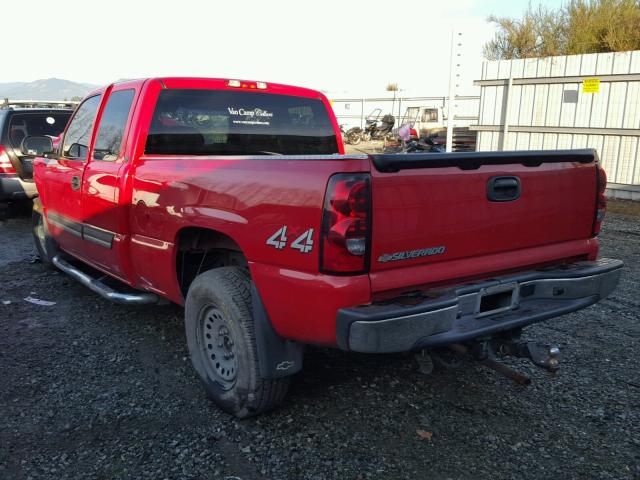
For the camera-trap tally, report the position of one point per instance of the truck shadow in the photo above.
(15, 210)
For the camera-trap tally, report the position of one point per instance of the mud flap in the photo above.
(278, 357)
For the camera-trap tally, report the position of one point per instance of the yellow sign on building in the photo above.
(591, 85)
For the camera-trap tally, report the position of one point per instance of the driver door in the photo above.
(63, 178)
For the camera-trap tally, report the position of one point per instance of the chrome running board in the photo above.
(142, 298)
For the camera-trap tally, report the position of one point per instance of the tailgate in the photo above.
(433, 208)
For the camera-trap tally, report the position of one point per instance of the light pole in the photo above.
(453, 78)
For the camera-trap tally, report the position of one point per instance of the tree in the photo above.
(603, 26)
(581, 26)
(393, 87)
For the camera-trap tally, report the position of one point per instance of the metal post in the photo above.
(506, 112)
(362, 113)
(450, 110)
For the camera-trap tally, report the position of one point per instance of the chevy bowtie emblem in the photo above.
(286, 365)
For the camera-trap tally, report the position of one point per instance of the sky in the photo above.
(338, 46)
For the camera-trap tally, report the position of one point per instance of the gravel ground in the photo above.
(97, 391)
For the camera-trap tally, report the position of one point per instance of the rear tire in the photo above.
(222, 343)
(44, 243)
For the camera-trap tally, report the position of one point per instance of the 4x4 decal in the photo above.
(304, 242)
(278, 239)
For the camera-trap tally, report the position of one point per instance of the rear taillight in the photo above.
(601, 200)
(345, 237)
(5, 163)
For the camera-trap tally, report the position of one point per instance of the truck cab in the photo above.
(425, 120)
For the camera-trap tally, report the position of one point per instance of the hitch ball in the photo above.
(544, 356)
(554, 358)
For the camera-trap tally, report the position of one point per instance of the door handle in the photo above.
(500, 183)
(75, 182)
(503, 189)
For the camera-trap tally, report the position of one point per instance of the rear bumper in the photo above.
(452, 315)
(12, 188)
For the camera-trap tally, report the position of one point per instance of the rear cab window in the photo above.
(220, 122)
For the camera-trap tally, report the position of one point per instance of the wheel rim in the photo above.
(218, 347)
(40, 233)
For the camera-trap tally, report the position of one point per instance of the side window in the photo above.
(429, 115)
(76, 140)
(112, 124)
(410, 115)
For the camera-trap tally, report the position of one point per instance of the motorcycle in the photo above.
(376, 128)
(424, 145)
(408, 143)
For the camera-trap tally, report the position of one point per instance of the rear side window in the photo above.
(76, 140)
(220, 122)
(112, 124)
(28, 124)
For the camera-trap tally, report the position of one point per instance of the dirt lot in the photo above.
(365, 147)
(93, 390)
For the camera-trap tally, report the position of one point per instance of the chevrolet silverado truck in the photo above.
(235, 199)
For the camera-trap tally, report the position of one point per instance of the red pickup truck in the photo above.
(235, 199)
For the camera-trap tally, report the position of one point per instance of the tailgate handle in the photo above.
(503, 189)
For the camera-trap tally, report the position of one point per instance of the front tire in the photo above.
(222, 343)
(44, 243)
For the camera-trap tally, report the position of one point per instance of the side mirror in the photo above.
(36, 146)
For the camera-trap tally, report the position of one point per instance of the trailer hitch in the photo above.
(541, 355)
(484, 352)
(481, 353)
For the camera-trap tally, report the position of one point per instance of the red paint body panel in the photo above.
(454, 271)
(146, 200)
(247, 200)
(57, 195)
(417, 209)
(305, 303)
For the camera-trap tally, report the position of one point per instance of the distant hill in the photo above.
(46, 89)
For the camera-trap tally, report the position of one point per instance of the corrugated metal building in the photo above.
(574, 101)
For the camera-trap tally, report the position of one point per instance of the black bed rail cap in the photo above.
(395, 162)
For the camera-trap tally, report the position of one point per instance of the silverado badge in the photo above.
(406, 255)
